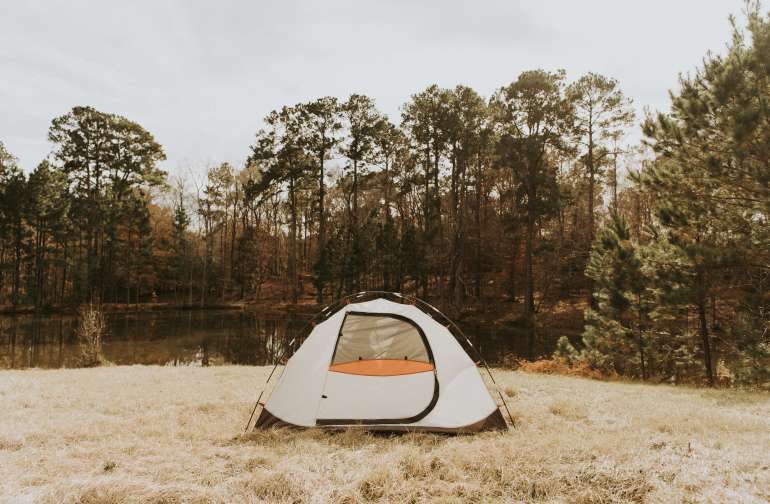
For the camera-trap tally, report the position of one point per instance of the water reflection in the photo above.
(196, 337)
(161, 338)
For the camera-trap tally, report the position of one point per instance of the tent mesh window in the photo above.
(380, 345)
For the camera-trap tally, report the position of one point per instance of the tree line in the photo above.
(78, 226)
(517, 198)
(465, 193)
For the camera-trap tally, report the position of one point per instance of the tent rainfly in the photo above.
(385, 366)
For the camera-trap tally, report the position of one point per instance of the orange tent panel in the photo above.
(382, 367)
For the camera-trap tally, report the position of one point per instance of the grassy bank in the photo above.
(154, 434)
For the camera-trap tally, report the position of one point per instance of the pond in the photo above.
(186, 337)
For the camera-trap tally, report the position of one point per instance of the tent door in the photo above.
(382, 371)
(375, 399)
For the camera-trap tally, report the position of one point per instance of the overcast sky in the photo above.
(201, 75)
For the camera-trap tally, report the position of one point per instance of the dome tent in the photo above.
(382, 361)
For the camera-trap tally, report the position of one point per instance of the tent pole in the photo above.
(491, 377)
(259, 398)
(478, 356)
(264, 387)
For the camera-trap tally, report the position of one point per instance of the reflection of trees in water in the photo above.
(259, 340)
(7, 343)
(495, 342)
(36, 341)
(189, 336)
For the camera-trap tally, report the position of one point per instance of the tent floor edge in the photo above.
(267, 420)
(495, 421)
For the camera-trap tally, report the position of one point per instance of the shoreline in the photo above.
(267, 307)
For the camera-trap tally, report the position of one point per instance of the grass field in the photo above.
(166, 435)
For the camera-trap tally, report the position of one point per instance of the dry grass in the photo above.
(166, 435)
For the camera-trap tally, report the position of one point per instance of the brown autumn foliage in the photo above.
(556, 366)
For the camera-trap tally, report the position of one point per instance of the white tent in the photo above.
(382, 365)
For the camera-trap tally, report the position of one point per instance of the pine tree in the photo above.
(13, 233)
(532, 117)
(425, 119)
(106, 158)
(601, 112)
(179, 242)
(711, 179)
(614, 339)
(46, 213)
(281, 153)
(321, 126)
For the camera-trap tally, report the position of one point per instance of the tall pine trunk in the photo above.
(529, 284)
(321, 229)
(477, 220)
(703, 329)
(591, 183)
(292, 266)
(641, 338)
(233, 234)
(529, 281)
